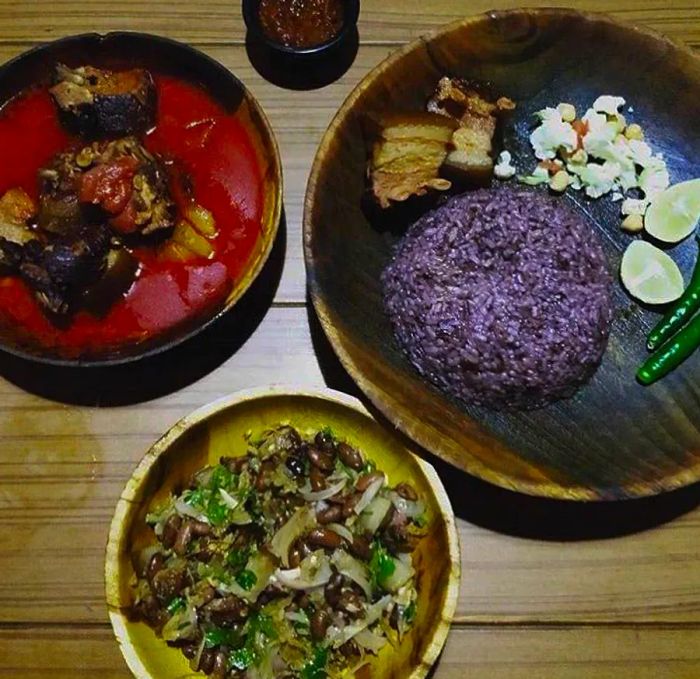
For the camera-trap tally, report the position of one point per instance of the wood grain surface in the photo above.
(548, 590)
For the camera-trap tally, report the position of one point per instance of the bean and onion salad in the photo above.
(291, 561)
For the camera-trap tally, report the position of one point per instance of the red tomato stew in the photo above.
(169, 205)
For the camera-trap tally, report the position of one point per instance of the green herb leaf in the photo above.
(222, 637)
(221, 478)
(369, 467)
(327, 431)
(316, 667)
(194, 498)
(238, 558)
(216, 511)
(381, 565)
(175, 605)
(247, 580)
(409, 614)
(242, 658)
(421, 520)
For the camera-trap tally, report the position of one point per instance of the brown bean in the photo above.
(351, 604)
(325, 442)
(298, 551)
(319, 623)
(149, 609)
(349, 504)
(324, 537)
(350, 649)
(350, 456)
(157, 563)
(262, 481)
(220, 666)
(227, 610)
(170, 529)
(331, 514)
(200, 529)
(333, 589)
(302, 599)
(184, 537)
(361, 548)
(405, 490)
(234, 464)
(318, 480)
(318, 458)
(189, 650)
(206, 660)
(364, 482)
(168, 583)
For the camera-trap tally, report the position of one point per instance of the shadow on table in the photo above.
(516, 514)
(164, 373)
(291, 73)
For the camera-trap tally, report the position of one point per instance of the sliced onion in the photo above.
(341, 530)
(352, 568)
(373, 516)
(370, 641)
(188, 510)
(402, 574)
(313, 496)
(302, 521)
(314, 571)
(230, 501)
(183, 625)
(369, 494)
(373, 613)
(408, 507)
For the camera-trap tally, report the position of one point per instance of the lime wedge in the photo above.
(649, 274)
(674, 213)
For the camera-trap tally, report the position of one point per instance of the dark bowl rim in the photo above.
(327, 317)
(198, 326)
(250, 17)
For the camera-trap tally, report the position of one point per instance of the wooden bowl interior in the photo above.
(128, 50)
(615, 439)
(218, 430)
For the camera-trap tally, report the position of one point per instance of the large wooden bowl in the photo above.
(615, 439)
(218, 429)
(162, 55)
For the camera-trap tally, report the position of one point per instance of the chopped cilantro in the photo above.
(381, 565)
(247, 580)
(221, 478)
(194, 498)
(216, 511)
(222, 637)
(175, 605)
(242, 658)
(421, 520)
(327, 431)
(238, 558)
(316, 667)
(369, 467)
(409, 614)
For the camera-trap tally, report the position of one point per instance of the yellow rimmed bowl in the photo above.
(218, 429)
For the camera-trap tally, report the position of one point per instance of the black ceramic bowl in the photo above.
(129, 50)
(251, 17)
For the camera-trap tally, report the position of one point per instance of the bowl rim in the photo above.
(260, 258)
(382, 400)
(128, 496)
(351, 15)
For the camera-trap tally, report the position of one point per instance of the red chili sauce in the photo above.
(301, 23)
(198, 137)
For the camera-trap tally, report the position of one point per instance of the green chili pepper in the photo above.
(679, 314)
(671, 354)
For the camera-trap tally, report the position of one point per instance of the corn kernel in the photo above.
(202, 220)
(559, 181)
(567, 112)
(187, 236)
(633, 223)
(634, 131)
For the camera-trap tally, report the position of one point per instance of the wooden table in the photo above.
(549, 591)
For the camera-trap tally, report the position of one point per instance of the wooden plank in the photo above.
(220, 21)
(474, 652)
(62, 468)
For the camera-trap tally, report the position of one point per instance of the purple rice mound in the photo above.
(501, 298)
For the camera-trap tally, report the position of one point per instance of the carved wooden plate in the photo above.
(218, 429)
(615, 439)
